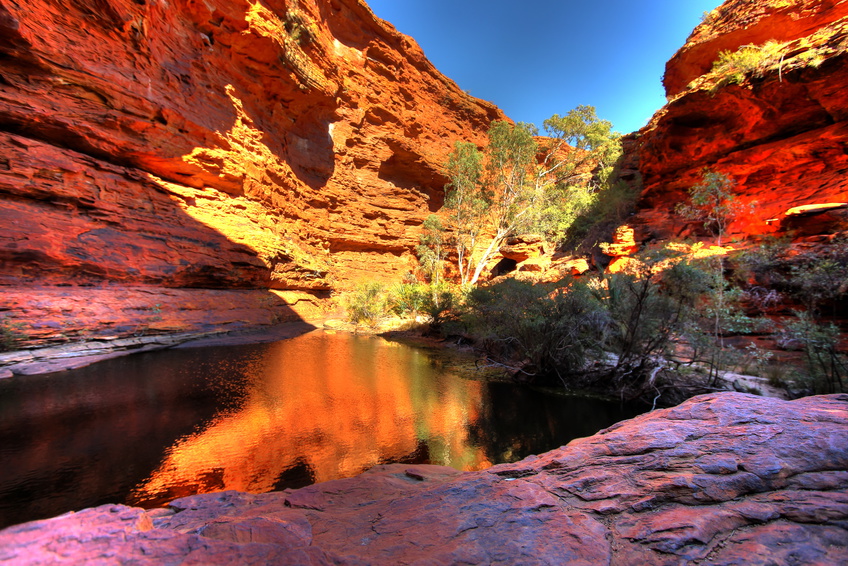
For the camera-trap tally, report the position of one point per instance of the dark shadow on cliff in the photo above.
(407, 169)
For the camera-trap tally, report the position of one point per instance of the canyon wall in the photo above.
(778, 128)
(185, 165)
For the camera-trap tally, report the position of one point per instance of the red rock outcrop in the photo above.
(225, 144)
(778, 129)
(721, 479)
(742, 22)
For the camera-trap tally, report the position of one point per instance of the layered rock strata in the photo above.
(224, 145)
(721, 479)
(776, 123)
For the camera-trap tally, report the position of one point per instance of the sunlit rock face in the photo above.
(780, 134)
(224, 144)
(720, 479)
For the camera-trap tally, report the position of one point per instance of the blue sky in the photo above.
(535, 58)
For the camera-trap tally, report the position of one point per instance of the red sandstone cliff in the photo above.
(150, 147)
(779, 130)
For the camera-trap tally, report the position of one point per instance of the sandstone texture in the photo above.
(721, 479)
(220, 146)
(778, 130)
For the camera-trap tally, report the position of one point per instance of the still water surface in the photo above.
(148, 428)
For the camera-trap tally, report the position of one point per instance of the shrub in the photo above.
(827, 366)
(757, 361)
(409, 299)
(732, 67)
(714, 202)
(820, 278)
(548, 331)
(648, 311)
(368, 303)
(10, 334)
(436, 300)
(441, 301)
(816, 278)
(432, 249)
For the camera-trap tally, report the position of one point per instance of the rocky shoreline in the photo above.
(33, 361)
(724, 478)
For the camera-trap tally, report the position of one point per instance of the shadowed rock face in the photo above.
(724, 479)
(781, 134)
(223, 144)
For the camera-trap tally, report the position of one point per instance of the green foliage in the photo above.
(719, 313)
(432, 249)
(820, 278)
(441, 301)
(11, 334)
(519, 185)
(676, 311)
(749, 60)
(758, 361)
(826, 364)
(556, 330)
(368, 303)
(649, 310)
(817, 278)
(299, 27)
(409, 299)
(548, 330)
(466, 203)
(492, 192)
(435, 300)
(714, 202)
(581, 183)
(593, 142)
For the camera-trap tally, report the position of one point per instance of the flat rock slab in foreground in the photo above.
(720, 479)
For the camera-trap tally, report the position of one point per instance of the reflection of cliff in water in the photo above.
(322, 407)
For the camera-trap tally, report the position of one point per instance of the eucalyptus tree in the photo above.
(521, 182)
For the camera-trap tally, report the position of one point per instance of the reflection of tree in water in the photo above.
(508, 431)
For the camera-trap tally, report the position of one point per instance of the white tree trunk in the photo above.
(495, 244)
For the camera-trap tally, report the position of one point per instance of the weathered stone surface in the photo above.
(721, 479)
(781, 134)
(223, 144)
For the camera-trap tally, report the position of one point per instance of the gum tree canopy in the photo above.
(523, 183)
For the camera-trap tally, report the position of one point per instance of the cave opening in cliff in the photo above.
(504, 266)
